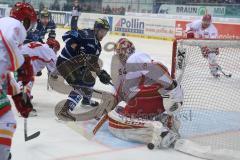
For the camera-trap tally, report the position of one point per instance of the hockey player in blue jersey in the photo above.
(44, 25)
(77, 60)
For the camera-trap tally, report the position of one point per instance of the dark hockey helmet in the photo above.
(44, 13)
(101, 23)
(25, 13)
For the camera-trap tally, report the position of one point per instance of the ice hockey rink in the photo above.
(58, 141)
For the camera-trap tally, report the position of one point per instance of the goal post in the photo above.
(210, 115)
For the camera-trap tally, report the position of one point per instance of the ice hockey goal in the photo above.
(210, 115)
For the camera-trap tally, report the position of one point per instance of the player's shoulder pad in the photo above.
(70, 34)
(139, 57)
(86, 34)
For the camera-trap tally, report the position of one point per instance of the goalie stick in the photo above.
(26, 137)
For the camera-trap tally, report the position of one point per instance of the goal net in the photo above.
(210, 115)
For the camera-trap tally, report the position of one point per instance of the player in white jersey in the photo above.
(205, 29)
(12, 35)
(148, 97)
(41, 55)
(202, 28)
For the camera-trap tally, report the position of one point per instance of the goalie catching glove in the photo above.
(173, 99)
(104, 77)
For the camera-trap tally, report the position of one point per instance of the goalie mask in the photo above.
(124, 48)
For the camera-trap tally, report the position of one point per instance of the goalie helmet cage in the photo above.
(210, 115)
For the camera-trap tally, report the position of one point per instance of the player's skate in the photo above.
(86, 102)
(214, 70)
(64, 114)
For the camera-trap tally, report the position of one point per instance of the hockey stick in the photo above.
(90, 135)
(226, 75)
(100, 123)
(26, 137)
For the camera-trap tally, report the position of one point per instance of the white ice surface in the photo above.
(59, 142)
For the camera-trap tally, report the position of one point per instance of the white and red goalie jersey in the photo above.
(195, 30)
(41, 56)
(141, 80)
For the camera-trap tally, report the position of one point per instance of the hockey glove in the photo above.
(173, 99)
(104, 77)
(52, 34)
(25, 72)
(23, 104)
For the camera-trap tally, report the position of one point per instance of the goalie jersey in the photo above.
(142, 75)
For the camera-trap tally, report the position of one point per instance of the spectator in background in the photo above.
(129, 8)
(75, 15)
(41, 6)
(122, 11)
(118, 11)
(108, 10)
(55, 6)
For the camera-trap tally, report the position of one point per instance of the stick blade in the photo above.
(35, 135)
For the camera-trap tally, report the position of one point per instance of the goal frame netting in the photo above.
(223, 145)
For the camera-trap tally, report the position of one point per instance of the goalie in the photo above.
(205, 29)
(148, 98)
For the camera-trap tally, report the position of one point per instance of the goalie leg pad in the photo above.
(139, 130)
(168, 139)
(128, 129)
